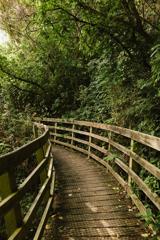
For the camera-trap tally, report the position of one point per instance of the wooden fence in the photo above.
(42, 178)
(98, 142)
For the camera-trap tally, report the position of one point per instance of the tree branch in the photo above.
(14, 76)
(24, 90)
(89, 8)
(135, 19)
(116, 39)
(139, 28)
(106, 29)
(74, 17)
(151, 24)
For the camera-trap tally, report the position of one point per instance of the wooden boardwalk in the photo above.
(90, 204)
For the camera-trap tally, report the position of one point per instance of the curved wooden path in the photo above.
(90, 204)
(88, 201)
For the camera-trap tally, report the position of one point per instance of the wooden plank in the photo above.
(93, 135)
(148, 140)
(9, 206)
(110, 169)
(124, 184)
(145, 164)
(48, 150)
(120, 147)
(50, 169)
(141, 161)
(43, 221)
(109, 140)
(100, 149)
(80, 150)
(19, 234)
(61, 136)
(130, 162)
(90, 142)
(137, 202)
(71, 146)
(103, 139)
(81, 132)
(62, 143)
(152, 196)
(88, 208)
(72, 138)
(55, 130)
(35, 130)
(51, 120)
(63, 129)
(13, 198)
(71, 130)
(53, 182)
(74, 131)
(73, 127)
(16, 157)
(40, 155)
(80, 141)
(12, 217)
(35, 205)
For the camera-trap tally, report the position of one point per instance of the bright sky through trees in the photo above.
(4, 37)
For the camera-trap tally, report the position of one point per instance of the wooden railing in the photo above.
(40, 182)
(105, 144)
(116, 148)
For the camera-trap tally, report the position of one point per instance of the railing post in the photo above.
(89, 143)
(13, 218)
(55, 132)
(130, 162)
(35, 131)
(73, 127)
(40, 155)
(109, 138)
(46, 145)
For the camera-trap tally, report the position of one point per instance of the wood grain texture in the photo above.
(90, 202)
(134, 136)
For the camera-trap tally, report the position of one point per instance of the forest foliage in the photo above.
(95, 60)
(85, 59)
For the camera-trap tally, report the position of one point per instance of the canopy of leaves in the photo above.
(85, 59)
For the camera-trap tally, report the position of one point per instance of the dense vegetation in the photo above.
(96, 60)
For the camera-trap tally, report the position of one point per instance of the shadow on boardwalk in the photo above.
(90, 204)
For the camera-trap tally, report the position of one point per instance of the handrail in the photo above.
(42, 178)
(90, 138)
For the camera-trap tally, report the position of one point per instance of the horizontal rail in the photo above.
(152, 196)
(141, 161)
(70, 138)
(105, 139)
(43, 221)
(12, 199)
(14, 158)
(101, 147)
(148, 140)
(27, 222)
(69, 145)
(43, 178)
